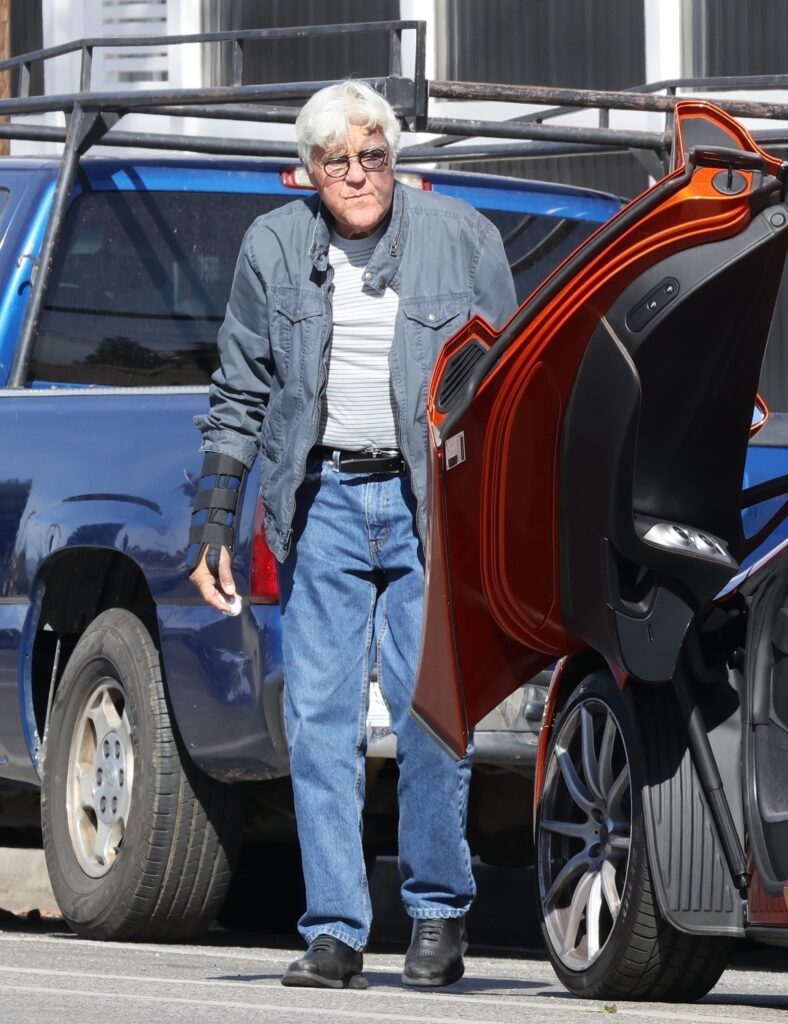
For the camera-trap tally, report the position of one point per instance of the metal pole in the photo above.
(5, 50)
(237, 73)
(148, 140)
(630, 100)
(545, 132)
(86, 68)
(60, 200)
(709, 776)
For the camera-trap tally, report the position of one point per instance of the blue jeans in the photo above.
(352, 592)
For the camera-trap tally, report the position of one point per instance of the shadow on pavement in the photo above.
(378, 978)
(32, 921)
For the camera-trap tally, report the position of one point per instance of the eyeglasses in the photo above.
(370, 160)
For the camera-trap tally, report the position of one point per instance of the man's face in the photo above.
(361, 199)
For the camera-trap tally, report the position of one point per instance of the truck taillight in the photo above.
(263, 584)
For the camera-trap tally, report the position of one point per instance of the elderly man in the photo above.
(339, 307)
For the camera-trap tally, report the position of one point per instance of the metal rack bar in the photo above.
(65, 182)
(581, 98)
(562, 133)
(155, 140)
(230, 36)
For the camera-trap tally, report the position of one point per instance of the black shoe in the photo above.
(328, 963)
(434, 956)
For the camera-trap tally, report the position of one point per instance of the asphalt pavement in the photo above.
(48, 974)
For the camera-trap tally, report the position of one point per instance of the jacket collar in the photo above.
(385, 263)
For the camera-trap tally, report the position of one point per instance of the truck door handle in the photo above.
(34, 264)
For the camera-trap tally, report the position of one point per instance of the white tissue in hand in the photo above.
(233, 605)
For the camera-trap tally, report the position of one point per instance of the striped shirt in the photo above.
(358, 405)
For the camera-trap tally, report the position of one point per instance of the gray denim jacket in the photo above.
(444, 260)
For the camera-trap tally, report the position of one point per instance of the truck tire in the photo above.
(601, 923)
(139, 844)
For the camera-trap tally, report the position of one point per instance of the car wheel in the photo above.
(139, 843)
(603, 929)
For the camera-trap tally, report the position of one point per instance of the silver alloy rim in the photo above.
(100, 778)
(585, 829)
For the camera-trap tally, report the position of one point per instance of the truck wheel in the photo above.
(139, 843)
(603, 929)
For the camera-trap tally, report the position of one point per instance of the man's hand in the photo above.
(218, 593)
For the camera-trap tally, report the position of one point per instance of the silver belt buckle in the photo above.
(381, 453)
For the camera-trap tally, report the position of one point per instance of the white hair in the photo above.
(326, 116)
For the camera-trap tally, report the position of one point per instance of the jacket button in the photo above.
(431, 316)
(367, 276)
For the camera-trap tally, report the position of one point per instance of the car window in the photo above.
(536, 243)
(139, 287)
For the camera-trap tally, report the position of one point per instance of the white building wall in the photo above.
(185, 67)
(128, 67)
(119, 68)
(663, 50)
(663, 39)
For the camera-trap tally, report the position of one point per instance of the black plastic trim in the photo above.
(767, 838)
(690, 874)
(767, 936)
(457, 373)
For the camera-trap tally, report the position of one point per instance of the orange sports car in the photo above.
(587, 507)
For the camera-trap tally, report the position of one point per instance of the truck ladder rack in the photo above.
(92, 117)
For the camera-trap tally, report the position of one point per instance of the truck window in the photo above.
(536, 243)
(139, 287)
(141, 281)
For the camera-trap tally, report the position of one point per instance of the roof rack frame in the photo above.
(92, 117)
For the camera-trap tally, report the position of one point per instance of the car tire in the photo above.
(139, 844)
(600, 920)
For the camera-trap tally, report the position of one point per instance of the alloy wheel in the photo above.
(585, 829)
(100, 778)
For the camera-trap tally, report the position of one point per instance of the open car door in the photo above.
(587, 460)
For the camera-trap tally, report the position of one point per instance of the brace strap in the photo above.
(215, 507)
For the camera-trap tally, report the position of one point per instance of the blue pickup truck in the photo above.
(141, 733)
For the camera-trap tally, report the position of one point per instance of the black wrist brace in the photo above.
(215, 509)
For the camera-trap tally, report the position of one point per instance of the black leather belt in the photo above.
(384, 460)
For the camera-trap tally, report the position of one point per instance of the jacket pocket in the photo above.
(295, 306)
(432, 319)
(295, 315)
(436, 311)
